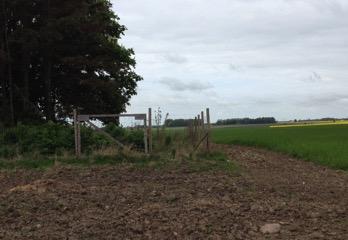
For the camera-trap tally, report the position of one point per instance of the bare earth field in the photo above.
(307, 201)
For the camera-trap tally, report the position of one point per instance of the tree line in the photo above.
(232, 121)
(56, 55)
(178, 122)
(242, 121)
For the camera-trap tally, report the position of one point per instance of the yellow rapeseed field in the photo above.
(311, 123)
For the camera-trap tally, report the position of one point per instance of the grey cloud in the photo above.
(235, 68)
(175, 58)
(324, 100)
(314, 78)
(182, 85)
(318, 79)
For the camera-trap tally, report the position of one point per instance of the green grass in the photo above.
(45, 162)
(194, 162)
(214, 161)
(326, 145)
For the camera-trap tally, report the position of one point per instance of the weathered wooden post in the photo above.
(150, 131)
(195, 129)
(202, 117)
(77, 134)
(75, 131)
(209, 129)
(199, 123)
(146, 146)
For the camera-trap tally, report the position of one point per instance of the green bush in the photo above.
(51, 138)
(133, 137)
(46, 139)
(8, 151)
(115, 131)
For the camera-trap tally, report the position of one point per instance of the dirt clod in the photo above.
(270, 228)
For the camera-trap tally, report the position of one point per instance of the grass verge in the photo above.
(193, 162)
(325, 145)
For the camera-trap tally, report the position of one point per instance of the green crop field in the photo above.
(326, 145)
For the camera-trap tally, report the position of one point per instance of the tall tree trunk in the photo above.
(2, 79)
(47, 72)
(9, 65)
(25, 71)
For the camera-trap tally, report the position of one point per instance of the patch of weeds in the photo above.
(8, 151)
(35, 164)
(107, 160)
(209, 228)
(213, 161)
(200, 162)
(155, 161)
(172, 198)
(24, 163)
(84, 161)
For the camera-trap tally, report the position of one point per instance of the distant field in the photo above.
(327, 144)
(311, 123)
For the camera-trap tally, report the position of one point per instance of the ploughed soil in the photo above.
(307, 201)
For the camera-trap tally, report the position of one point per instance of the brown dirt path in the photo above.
(308, 201)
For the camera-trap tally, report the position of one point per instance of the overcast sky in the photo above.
(241, 58)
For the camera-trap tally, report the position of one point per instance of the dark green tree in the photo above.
(56, 55)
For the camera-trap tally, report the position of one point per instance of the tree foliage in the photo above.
(178, 122)
(56, 55)
(235, 121)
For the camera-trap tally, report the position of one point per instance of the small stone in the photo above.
(341, 211)
(284, 223)
(313, 214)
(226, 198)
(293, 228)
(38, 226)
(316, 235)
(270, 228)
(137, 228)
(256, 207)
(252, 233)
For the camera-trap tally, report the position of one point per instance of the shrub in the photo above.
(51, 138)
(134, 137)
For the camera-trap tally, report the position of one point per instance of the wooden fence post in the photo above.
(146, 146)
(195, 129)
(209, 129)
(199, 123)
(75, 130)
(150, 130)
(77, 135)
(202, 117)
